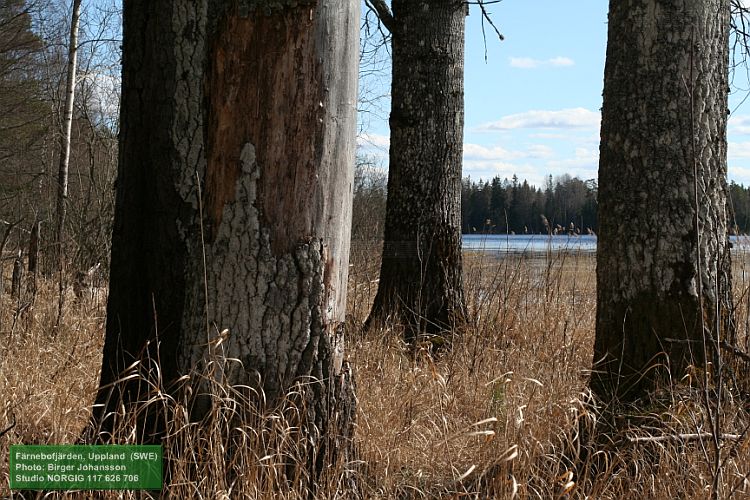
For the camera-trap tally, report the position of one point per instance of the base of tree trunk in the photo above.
(312, 425)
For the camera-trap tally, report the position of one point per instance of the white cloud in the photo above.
(540, 151)
(531, 164)
(562, 119)
(101, 91)
(585, 164)
(583, 157)
(497, 153)
(740, 175)
(477, 152)
(550, 135)
(531, 63)
(739, 124)
(738, 150)
(561, 61)
(487, 169)
(374, 141)
(524, 62)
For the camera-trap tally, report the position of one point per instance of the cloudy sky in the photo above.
(533, 108)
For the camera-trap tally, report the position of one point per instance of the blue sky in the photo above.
(533, 108)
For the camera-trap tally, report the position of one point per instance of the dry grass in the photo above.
(500, 415)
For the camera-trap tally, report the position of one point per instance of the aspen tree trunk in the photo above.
(420, 277)
(663, 261)
(233, 205)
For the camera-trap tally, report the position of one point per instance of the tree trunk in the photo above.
(3, 241)
(62, 174)
(17, 278)
(233, 204)
(36, 231)
(663, 262)
(420, 276)
(67, 120)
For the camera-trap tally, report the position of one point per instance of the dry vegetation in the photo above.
(503, 413)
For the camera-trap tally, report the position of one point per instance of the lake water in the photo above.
(539, 243)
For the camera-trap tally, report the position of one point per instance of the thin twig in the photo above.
(486, 16)
(7, 429)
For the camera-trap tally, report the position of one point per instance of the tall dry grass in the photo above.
(507, 412)
(502, 415)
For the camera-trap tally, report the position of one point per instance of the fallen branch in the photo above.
(682, 437)
(723, 344)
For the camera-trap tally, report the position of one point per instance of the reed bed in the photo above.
(504, 414)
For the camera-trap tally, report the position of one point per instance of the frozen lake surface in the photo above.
(540, 243)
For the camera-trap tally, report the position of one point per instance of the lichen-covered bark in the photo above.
(663, 252)
(247, 118)
(420, 276)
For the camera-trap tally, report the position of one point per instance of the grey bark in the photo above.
(233, 204)
(421, 278)
(663, 262)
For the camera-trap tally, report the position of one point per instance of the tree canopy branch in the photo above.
(383, 12)
(486, 17)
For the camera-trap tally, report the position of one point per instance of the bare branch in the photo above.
(740, 46)
(383, 12)
(486, 17)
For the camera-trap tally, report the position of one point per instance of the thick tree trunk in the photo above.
(663, 262)
(246, 117)
(420, 277)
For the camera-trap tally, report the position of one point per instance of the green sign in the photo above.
(73, 467)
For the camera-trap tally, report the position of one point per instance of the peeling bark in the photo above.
(260, 110)
(663, 263)
(420, 277)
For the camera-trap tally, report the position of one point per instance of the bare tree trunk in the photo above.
(663, 264)
(34, 256)
(3, 242)
(17, 278)
(62, 176)
(233, 203)
(70, 84)
(421, 278)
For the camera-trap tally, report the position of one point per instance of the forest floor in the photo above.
(504, 414)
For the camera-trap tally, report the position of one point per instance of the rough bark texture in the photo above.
(247, 117)
(663, 262)
(420, 276)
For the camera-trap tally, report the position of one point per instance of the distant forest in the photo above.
(565, 205)
(499, 206)
(739, 197)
